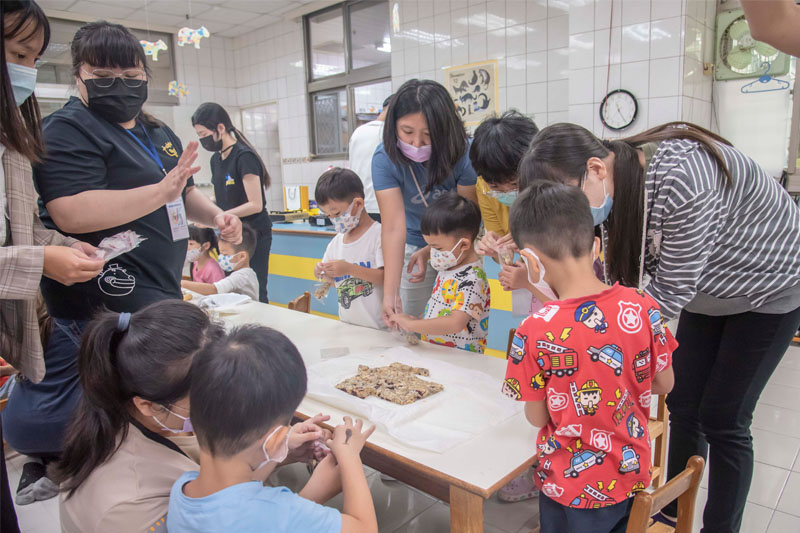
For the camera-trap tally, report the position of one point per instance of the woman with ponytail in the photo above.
(711, 236)
(240, 181)
(131, 436)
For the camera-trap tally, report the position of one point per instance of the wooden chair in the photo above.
(683, 487)
(302, 303)
(657, 427)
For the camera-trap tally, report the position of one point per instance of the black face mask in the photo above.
(210, 144)
(118, 103)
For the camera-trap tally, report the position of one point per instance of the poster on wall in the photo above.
(473, 88)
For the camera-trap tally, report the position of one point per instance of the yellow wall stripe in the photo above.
(303, 268)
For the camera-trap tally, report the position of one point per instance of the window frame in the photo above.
(347, 80)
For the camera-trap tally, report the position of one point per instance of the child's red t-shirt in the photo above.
(592, 359)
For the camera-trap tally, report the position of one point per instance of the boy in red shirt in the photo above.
(585, 366)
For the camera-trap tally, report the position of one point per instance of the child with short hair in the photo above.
(353, 260)
(457, 313)
(235, 259)
(243, 433)
(585, 365)
(204, 266)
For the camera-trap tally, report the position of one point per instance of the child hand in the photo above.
(336, 269)
(318, 271)
(402, 320)
(513, 277)
(348, 439)
(507, 241)
(305, 440)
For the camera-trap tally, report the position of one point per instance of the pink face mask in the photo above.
(419, 155)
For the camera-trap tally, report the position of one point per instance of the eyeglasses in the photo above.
(105, 78)
(497, 194)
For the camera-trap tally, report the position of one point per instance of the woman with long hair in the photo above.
(108, 168)
(425, 153)
(29, 251)
(240, 181)
(711, 236)
(131, 436)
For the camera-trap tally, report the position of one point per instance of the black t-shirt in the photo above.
(85, 152)
(226, 176)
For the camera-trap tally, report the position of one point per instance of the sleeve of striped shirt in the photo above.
(689, 230)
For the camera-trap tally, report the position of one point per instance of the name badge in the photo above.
(177, 220)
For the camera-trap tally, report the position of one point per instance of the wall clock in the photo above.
(618, 109)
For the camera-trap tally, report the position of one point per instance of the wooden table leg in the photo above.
(466, 511)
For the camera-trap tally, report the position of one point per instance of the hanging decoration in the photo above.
(152, 48)
(177, 89)
(190, 36)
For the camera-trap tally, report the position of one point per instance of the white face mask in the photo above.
(226, 262)
(187, 423)
(441, 260)
(541, 285)
(347, 221)
(282, 453)
(193, 255)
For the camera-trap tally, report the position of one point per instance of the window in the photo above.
(348, 58)
(55, 67)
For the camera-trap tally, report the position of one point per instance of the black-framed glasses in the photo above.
(105, 78)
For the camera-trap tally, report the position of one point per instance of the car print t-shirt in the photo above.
(463, 288)
(592, 359)
(359, 301)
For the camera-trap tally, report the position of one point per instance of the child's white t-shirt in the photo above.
(360, 302)
(463, 288)
(242, 281)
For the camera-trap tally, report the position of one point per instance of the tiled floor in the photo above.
(773, 504)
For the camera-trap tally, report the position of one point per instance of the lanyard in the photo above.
(422, 196)
(151, 151)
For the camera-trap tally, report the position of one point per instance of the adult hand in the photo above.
(488, 245)
(306, 439)
(507, 241)
(336, 269)
(348, 439)
(86, 248)
(391, 306)
(417, 264)
(69, 265)
(230, 227)
(513, 277)
(172, 185)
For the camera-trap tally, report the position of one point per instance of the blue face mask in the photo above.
(507, 198)
(23, 81)
(600, 214)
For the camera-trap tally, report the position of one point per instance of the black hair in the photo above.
(560, 152)
(339, 185)
(449, 214)
(151, 359)
(22, 125)
(249, 238)
(447, 132)
(210, 115)
(203, 235)
(499, 144)
(270, 380)
(553, 217)
(387, 101)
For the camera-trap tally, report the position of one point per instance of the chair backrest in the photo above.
(683, 487)
(301, 303)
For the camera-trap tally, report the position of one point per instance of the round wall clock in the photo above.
(618, 109)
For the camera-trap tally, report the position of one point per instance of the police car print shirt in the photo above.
(464, 288)
(592, 360)
(84, 153)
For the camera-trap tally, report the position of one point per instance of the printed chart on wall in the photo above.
(473, 88)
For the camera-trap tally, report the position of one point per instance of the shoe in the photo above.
(665, 519)
(31, 473)
(520, 488)
(44, 489)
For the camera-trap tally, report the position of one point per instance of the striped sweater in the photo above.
(718, 249)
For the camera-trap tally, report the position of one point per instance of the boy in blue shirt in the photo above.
(243, 433)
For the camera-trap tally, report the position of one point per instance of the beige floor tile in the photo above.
(780, 396)
(777, 419)
(790, 498)
(784, 523)
(510, 516)
(774, 449)
(437, 520)
(755, 519)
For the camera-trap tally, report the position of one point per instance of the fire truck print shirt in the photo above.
(463, 288)
(592, 359)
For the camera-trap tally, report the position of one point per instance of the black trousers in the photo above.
(260, 262)
(8, 516)
(556, 518)
(721, 367)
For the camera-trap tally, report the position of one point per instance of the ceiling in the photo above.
(227, 18)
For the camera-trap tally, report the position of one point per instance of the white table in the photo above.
(465, 475)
